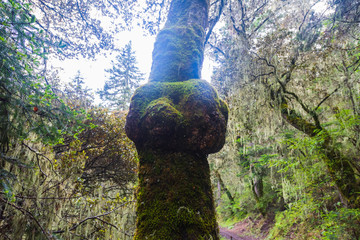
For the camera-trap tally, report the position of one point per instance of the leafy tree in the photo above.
(73, 28)
(124, 78)
(110, 154)
(41, 196)
(234, 42)
(27, 103)
(34, 185)
(297, 97)
(302, 50)
(81, 189)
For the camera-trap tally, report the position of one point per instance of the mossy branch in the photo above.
(339, 166)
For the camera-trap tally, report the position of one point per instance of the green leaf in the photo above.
(33, 19)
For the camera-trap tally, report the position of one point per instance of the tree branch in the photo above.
(322, 101)
(97, 217)
(307, 12)
(26, 212)
(214, 21)
(260, 25)
(40, 154)
(218, 49)
(297, 121)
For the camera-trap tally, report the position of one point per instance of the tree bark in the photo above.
(174, 197)
(176, 120)
(179, 47)
(225, 189)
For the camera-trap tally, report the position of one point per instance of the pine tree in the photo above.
(78, 95)
(124, 78)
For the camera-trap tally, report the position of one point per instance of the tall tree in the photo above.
(124, 78)
(176, 120)
(305, 115)
(32, 116)
(77, 95)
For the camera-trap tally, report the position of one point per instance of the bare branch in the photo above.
(260, 25)
(97, 217)
(26, 212)
(322, 101)
(261, 75)
(14, 161)
(307, 12)
(39, 154)
(218, 49)
(255, 13)
(214, 21)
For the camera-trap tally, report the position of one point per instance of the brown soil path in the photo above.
(224, 232)
(244, 230)
(230, 235)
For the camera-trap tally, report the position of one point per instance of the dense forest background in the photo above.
(289, 71)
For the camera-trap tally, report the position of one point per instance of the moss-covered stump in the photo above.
(175, 125)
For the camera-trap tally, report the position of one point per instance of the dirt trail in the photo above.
(224, 232)
(243, 230)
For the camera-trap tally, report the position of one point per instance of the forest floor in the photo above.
(244, 230)
(233, 235)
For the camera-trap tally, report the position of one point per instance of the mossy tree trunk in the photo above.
(225, 189)
(338, 165)
(176, 120)
(233, 210)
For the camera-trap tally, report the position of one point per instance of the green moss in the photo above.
(178, 92)
(175, 198)
(178, 54)
(184, 115)
(338, 166)
(175, 125)
(179, 47)
(165, 110)
(175, 122)
(224, 108)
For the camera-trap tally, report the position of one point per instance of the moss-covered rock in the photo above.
(178, 116)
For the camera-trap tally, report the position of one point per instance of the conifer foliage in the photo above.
(79, 95)
(124, 78)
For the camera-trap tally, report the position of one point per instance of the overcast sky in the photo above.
(94, 71)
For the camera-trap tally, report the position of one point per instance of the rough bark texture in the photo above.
(179, 47)
(178, 116)
(176, 120)
(175, 198)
